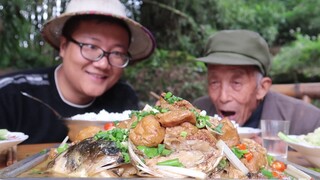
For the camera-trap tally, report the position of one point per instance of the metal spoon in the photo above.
(47, 105)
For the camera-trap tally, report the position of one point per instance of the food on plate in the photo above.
(87, 132)
(103, 115)
(205, 148)
(92, 156)
(313, 137)
(3, 134)
(172, 139)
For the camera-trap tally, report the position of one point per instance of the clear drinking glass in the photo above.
(271, 141)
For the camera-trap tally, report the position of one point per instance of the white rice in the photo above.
(103, 115)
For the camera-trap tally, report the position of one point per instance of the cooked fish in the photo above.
(87, 158)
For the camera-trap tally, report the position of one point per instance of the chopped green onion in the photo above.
(170, 98)
(266, 173)
(172, 162)
(270, 159)
(183, 134)
(62, 148)
(219, 128)
(119, 136)
(151, 152)
(222, 164)
(238, 152)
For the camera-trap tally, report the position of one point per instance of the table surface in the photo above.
(27, 150)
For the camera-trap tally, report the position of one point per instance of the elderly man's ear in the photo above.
(265, 85)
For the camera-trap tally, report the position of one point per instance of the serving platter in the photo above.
(14, 171)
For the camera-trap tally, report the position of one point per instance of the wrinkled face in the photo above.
(234, 91)
(81, 80)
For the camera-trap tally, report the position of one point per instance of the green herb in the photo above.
(238, 152)
(62, 148)
(43, 151)
(3, 134)
(140, 115)
(270, 159)
(266, 173)
(170, 98)
(183, 134)
(286, 138)
(201, 121)
(315, 169)
(222, 164)
(171, 162)
(151, 152)
(36, 171)
(161, 110)
(218, 128)
(120, 137)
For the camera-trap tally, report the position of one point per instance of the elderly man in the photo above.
(238, 64)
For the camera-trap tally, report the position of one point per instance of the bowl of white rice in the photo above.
(79, 122)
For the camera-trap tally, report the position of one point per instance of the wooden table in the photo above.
(27, 150)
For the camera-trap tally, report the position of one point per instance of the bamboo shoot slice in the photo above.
(232, 157)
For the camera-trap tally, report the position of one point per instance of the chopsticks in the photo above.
(11, 155)
(154, 95)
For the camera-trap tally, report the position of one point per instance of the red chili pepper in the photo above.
(275, 174)
(278, 165)
(108, 126)
(242, 146)
(248, 156)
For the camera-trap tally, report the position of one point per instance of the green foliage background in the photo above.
(181, 28)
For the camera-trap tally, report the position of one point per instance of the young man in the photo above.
(238, 64)
(96, 41)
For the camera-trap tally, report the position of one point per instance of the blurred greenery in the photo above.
(291, 28)
(301, 58)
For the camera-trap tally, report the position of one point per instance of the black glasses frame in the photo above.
(104, 53)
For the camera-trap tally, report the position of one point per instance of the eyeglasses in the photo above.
(95, 53)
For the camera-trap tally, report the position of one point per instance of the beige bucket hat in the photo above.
(238, 47)
(142, 41)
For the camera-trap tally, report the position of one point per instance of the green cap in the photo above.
(238, 47)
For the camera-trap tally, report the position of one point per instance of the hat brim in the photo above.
(225, 58)
(142, 42)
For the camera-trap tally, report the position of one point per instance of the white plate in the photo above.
(310, 152)
(13, 139)
(248, 132)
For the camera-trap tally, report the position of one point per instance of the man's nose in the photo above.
(225, 94)
(103, 62)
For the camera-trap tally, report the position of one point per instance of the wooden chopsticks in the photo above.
(11, 155)
(153, 94)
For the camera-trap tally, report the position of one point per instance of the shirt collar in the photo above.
(254, 120)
